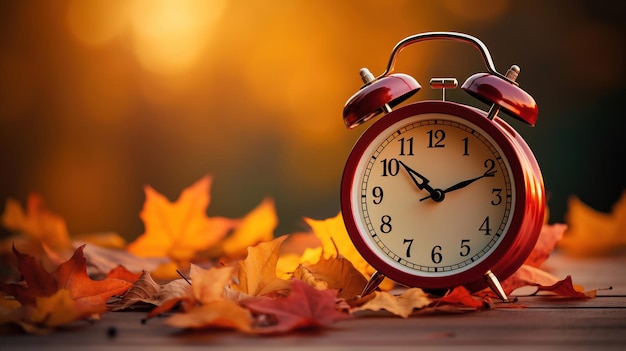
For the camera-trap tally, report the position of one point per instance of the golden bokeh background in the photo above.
(101, 97)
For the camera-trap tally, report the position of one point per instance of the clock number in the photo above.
(435, 254)
(409, 146)
(390, 167)
(465, 249)
(385, 227)
(435, 138)
(490, 165)
(485, 226)
(465, 146)
(498, 197)
(408, 248)
(377, 192)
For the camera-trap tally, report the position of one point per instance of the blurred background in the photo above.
(101, 97)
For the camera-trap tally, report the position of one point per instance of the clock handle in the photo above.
(460, 37)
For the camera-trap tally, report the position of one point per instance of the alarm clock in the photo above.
(437, 194)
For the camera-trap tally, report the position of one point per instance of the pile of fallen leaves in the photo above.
(216, 272)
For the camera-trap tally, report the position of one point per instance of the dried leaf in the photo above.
(336, 241)
(120, 272)
(146, 290)
(593, 233)
(71, 275)
(257, 273)
(527, 275)
(181, 229)
(208, 285)
(401, 305)
(549, 236)
(566, 288)
(304, 307)
(333, 273)
(460, 296)
(216, 314)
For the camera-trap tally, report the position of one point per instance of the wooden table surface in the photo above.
(546, 324)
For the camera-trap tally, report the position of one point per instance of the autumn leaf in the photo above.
(593, 233)
(50, 312)
(145, 290)
(37, 223)
(257, 273)
(401, 305)
(120, 272)
(566, 288)
(548, 238)
(217, 314)
(460, 296)
(257, 226)
(527, 275)
(181, 229)
(304, 307)
(71, 275)
(333, 273)
(336, 241)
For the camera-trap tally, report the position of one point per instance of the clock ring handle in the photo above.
(454, 36)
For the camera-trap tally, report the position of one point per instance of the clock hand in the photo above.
(422, 183)
(463, 184)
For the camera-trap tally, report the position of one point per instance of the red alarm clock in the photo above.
(437, 194)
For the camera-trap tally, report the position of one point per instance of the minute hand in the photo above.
(463, 184)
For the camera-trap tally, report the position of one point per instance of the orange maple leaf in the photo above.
(181, 229)
(304, 307)
(71, 275)
(333, 273)
(401, 305)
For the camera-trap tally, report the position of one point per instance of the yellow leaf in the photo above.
(593, 233)
(333, 273)
(402, 305)
(336, 241)
(208, 285)
(257, 273)
(257, 226)
(181, 229)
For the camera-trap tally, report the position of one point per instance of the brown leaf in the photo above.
(333, 273)
(304, 307)
(216, 314)
(146, 290)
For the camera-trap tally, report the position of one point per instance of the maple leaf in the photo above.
(593, 233)
(566, 288)
(460, 296)
(71, 275)
(527, 275)
(333, 273)
(120, 272)
(181, 229)
(401, 305)
(208, 285)
(334, 237)
(304, 307)
(257, 226)
(257, 272)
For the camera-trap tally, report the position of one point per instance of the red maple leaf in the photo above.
(70, 275)
(304, 307)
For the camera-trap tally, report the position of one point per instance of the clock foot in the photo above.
(373, 283)
(495, 286)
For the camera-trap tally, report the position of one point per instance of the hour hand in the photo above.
(422, 183)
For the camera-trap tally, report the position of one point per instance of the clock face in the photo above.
(431, 195)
